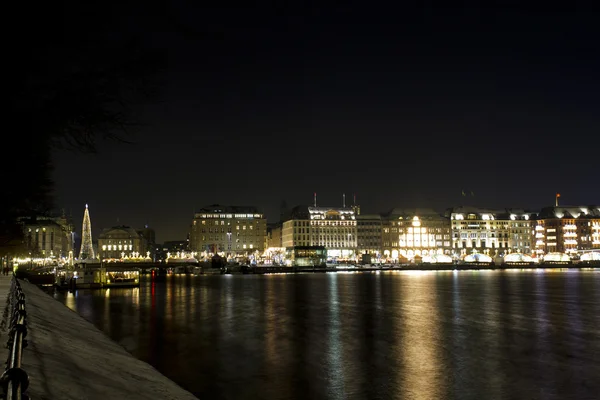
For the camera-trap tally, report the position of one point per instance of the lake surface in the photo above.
(381, 335)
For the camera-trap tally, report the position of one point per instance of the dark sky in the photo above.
(405, 107)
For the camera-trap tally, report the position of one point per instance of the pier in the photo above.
(66, 357)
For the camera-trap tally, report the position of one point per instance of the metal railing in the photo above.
(15, 380)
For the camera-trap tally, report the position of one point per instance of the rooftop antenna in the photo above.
(354, 198)
(315, 199)
(557, 196)
(343, 200)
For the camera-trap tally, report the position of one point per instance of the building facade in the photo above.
(228, 230)
(121, 241)
(476, 230)
(49, 236)
(369, 234)
(331, 227)
(408, 233)
(494, 232)
(273, 237)
(568, 229)
(520, 230)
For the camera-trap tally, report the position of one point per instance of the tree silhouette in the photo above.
(76, 72)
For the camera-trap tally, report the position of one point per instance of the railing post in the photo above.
(14, 380)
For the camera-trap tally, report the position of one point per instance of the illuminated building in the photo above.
(273, 237)
(368, 233)
(120, 242)
(419, 232)
(520, 238)
(332, 227)
(567, 229)
(48, 236)
(229, 230)
(479, 230)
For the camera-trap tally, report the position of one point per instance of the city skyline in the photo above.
(276, 218)
(403, 107)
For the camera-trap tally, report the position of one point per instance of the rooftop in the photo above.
(219, 208)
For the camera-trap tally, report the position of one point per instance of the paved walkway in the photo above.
(69, 358)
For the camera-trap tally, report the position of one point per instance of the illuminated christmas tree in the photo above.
(87, 250)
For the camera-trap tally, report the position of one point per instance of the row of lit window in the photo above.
(215, 215)
(116, 247)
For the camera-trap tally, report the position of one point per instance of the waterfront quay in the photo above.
(417, 267)
(66, 357)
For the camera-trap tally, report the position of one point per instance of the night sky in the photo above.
(404, 107)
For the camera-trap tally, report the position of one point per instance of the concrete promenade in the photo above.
(68, 358)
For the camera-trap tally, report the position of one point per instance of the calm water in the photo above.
(389, 335)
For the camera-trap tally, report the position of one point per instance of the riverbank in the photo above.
(68, 358)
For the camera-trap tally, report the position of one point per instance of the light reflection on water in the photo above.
(402, 335)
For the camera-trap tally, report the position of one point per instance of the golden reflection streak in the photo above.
(106, 310)
(492, 327)
(419, 328)
(270, 323)
(335, 350)
(70, 301)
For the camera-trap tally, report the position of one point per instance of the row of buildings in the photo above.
(51, 237)
(399, 233)
(343, 231)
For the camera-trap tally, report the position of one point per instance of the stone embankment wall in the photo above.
(68, 358)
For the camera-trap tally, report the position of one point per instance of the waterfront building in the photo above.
(274, 252)
(567, 229)
(410, 233)
(228, 230)
(331, 227)
(47, 236)
(121, 242)
(494, 232)
(273, 236)
(369, 234)
(479, 231)
(520, 230)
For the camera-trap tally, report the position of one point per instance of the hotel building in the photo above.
(568, 229)
(332, 227)
(407, 233)
(229, 230)
(479, 230)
